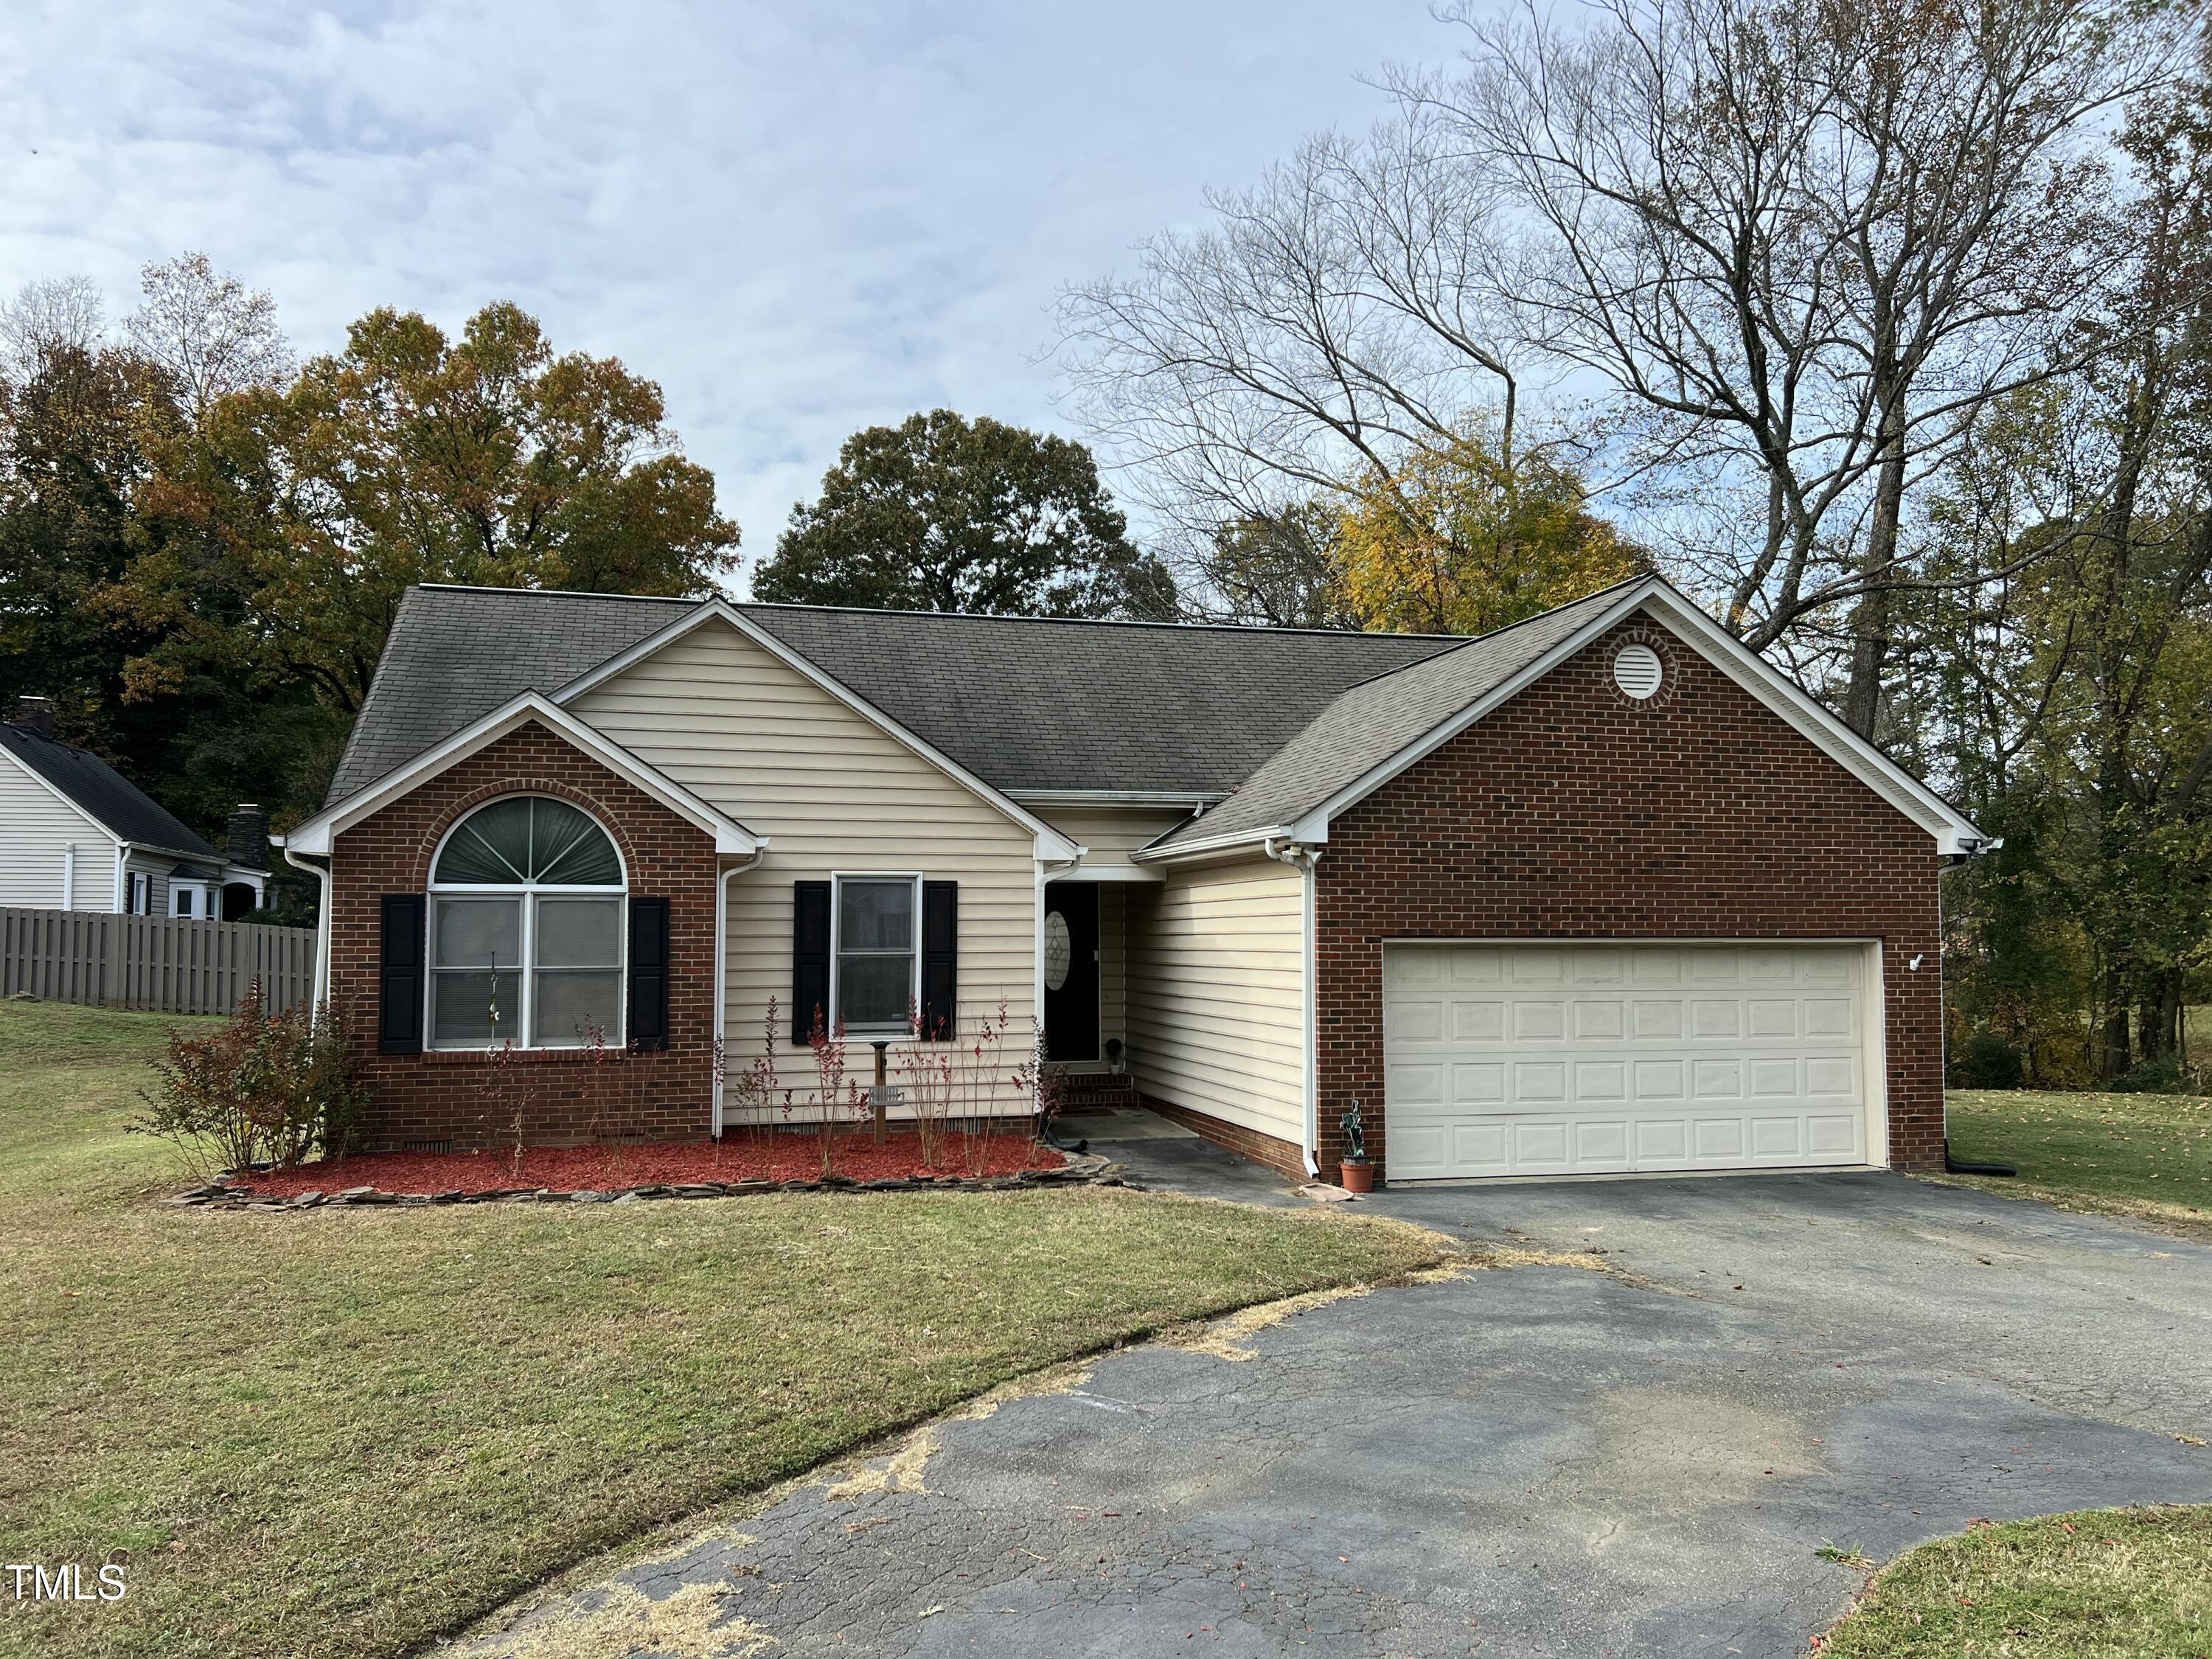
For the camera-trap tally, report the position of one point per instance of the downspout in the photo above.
(321, 872)
(122, 865)
(1302, 859)
(722, 975)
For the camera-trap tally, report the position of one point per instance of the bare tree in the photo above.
(1811, 242)
(1356, 304)
(207, 330)
(1803, 243)
(47, 317)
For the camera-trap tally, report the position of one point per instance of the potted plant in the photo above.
(1359, 1174)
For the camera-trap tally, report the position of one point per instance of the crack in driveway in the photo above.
(1539, 1462)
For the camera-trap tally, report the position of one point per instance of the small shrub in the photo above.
(1986, 1060)
(2155, 1077)
(262, 1088)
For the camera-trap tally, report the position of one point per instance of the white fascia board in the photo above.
(1174, 799)
(1050, 843)
(318, 833)
(1155, 853)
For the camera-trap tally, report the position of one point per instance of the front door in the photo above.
(1070, 970)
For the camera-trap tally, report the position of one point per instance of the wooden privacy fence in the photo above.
(169, 963)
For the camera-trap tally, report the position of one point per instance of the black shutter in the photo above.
(399, 975)
(810, 959)
(648, 973)
(940, 961)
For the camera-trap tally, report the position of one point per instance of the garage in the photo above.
(1546, 1059)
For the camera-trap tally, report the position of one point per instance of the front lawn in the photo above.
(344, 1432)
(2145, 1155)
(2097, 1584)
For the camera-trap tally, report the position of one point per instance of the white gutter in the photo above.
(722, 973)
(322, 875)
(1302, 859)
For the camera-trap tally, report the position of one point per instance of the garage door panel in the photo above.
(1557, 1058)
(1478, 1022)
(1481, 1146)
(1538, 1079)
(1600, 1079)
(1480, 1084)
(1717, 1079)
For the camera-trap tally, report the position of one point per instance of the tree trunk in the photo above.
(1870, 621)
(2115, 1056)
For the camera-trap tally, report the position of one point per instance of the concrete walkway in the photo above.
(1635, 1444)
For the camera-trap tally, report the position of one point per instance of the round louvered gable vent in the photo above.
(1637, 671)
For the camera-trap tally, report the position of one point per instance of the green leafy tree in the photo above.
(411, 457)
(941, 513)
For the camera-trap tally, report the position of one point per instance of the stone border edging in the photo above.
(1081, 1169)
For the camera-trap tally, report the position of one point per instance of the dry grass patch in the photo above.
(346, 1432)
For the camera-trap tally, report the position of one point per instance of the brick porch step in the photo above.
(1112, 1092)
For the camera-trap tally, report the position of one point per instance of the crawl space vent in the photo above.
(1637, 671)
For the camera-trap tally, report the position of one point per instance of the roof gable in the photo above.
(717, 613)
(1374, 731)
(102, 793)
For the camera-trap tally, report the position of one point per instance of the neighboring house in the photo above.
(77, 834)
(1599, 892)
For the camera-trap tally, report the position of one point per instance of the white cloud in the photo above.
(799, 219)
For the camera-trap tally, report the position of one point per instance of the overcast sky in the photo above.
(800, 218)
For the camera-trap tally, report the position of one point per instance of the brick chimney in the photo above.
(246, 839)
(35, 714)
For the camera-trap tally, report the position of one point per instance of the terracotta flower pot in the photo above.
(1358, 1178)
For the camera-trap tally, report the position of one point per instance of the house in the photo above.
(1599, 892)
(77, 834)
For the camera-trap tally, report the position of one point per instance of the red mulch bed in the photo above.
(609, 1168)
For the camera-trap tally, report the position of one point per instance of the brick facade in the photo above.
(563, 1097)
(1572, 812)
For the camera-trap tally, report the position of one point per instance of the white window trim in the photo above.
(138, 900)
(525, 970)
(902, 1031)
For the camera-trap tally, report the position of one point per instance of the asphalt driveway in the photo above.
(1634, 1444)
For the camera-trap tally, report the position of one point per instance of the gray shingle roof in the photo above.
(127, 812)
(1025, 704)
(1368, 723)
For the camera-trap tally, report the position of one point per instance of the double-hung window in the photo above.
(527, 916)
(877, 968)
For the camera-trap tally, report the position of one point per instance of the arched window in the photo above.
(527, 929)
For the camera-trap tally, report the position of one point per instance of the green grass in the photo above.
(2098, 1584)
(343, 1432)
(2145, 1155)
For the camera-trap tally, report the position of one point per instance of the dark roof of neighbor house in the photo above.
(1369, 723)
(120, 806)
(1025, 704)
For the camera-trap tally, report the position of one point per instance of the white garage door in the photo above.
(1515, 1060)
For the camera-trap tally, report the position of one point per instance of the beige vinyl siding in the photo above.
(833, 794)
(1216, 993)
(37, 829)
(1109, 834)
